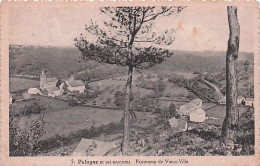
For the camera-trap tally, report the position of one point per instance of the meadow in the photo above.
(17, 84)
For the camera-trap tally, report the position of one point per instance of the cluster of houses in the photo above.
(51, 86)
(191, 111)
(54, 87)
(240, 100)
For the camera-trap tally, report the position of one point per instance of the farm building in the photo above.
(197, 102)
(34, 91)
(179, 124)
(198, 115)
(189, 107)
(90, 147)
(249, 102)
(75, 85)
(53, 91)
(183, 110)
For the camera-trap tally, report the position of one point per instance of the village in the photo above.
(188, 114)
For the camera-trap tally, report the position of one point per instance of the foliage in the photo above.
(122, 33)
(28, 61)
(33, 108)
(120, 98)
(24, 141)
(172, 109)
(58, 140)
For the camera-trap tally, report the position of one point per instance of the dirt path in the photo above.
(220, 95)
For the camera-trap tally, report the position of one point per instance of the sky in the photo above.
(199, 28)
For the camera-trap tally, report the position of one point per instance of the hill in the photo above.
(58, 61)
(192, 61)
(61, 61)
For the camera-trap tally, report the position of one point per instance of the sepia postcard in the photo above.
(134, 83)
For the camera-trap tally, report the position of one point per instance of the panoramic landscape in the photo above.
(84, 100)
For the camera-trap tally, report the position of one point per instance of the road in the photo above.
(220, 95)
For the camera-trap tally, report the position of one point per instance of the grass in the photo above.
(64, 121)
(50, 103)
(219, 112)
(17, 84)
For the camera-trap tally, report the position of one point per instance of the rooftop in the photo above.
(76, 83)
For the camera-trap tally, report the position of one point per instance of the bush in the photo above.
(53, 142)
(72, 102)
(33, 108)
(25, 141)
(108, 100)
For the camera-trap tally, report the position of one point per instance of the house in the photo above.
(183, 111)
(198, 115)
(189, 107)
(182, 125)
(53, 91)
(249, 102)
(34, 91)
(90, 147)
(240, 99)
(75, 85)
(197, 102)
(179, 124)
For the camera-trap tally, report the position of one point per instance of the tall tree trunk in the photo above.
(125, 144)
(230, 121)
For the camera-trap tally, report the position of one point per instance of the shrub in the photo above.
(108, 100)
(47, 144)
(25, 141)
(33, 108)
(72, 102)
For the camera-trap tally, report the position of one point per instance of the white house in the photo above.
(198, 115)
(249, 102)
(34, 91)
(75, 85)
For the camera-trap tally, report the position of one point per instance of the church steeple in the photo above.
(42, 80)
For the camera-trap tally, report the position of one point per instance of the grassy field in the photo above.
(51, 104)
(63, 122)
(219, 112)
(16, 84)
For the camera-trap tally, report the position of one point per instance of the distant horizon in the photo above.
(46, 46)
